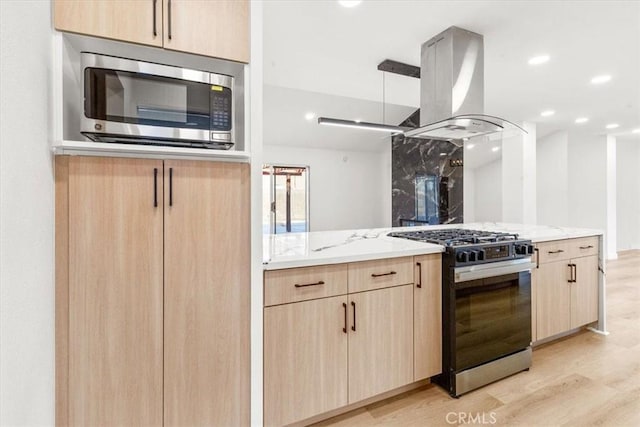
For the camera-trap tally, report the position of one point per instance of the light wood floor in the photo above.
(582, 380)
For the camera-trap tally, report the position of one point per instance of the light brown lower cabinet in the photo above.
(566, 289)
(345, 347)
(380, 341)
(152, 292)
(427, 316)
(305, 359)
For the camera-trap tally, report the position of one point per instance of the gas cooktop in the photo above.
(455, 236)
(466, 247)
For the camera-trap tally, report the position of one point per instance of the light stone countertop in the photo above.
(334, 247)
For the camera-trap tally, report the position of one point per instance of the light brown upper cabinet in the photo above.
(135, 21)
(152, 292)
(217, 28)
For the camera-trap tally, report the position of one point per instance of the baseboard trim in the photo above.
(362, 403)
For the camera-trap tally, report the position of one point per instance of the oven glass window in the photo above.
(144, 99)
(492, 319)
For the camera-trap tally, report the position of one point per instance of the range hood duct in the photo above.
(452, 89)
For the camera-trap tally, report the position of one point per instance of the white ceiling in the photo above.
(320, 46)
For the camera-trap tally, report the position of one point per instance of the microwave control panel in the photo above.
(221, 108)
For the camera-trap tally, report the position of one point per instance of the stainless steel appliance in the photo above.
(139, 102)
(486, 305)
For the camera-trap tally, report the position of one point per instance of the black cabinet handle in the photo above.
(321, 282)
(383, 274)
(344, 305)
(575, 273)
(537, 257)
(556, 252)
(353, 304)
(586, 247)
(419, 284)
(170, 186)
(155, 187)
(155, 29)
(572, 273)
(169, 19)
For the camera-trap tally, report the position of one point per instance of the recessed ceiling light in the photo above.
(612, 126)
(470, 146)
(443, 154)
(582, 120)
(310, 116)
(349, 3)
(636, 130)
(494, 149)
(600, 79)
(547, 113)
(537, 60)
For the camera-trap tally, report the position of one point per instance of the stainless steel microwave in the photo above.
(137, 102)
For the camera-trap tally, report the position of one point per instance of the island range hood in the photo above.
(452, 89)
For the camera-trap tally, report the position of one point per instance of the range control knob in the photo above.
(530, 249)
(524, 249)
(473, 256)
(481, 255)
(462, 256)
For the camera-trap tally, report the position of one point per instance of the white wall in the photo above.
(628, 194)
(26, 216)
(469, 195)
(587, 198)
(488, 192)
(347, 189)
(553, 179)
(519, 176)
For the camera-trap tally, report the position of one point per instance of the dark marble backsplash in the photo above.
(426, 181)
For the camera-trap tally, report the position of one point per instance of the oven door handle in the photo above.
(464, 274)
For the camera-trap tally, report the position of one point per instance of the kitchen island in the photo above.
(355, 316)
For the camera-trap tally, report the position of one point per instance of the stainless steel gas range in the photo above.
(486, 305)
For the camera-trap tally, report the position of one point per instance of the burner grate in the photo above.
(456, 236)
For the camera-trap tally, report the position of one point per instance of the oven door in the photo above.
(492, 317)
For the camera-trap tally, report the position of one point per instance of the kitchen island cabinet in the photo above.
(369, 268)
(427, 316)
(218, 29)
(336, 335)
(380, 341)
(305, 359)
(566, 286)
(152, 296)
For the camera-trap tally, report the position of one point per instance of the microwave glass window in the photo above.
(143, 99)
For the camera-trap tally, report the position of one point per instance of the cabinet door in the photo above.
(132, 21)
(584, 292)
(427, 315)
(305, 359)
(115, 292)
(210, 28)
(380, 341)
(553, 299)
(207, 290)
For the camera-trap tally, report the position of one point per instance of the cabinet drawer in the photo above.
(305, 283)
(584, 246)
(556, 250)
(368, 275)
